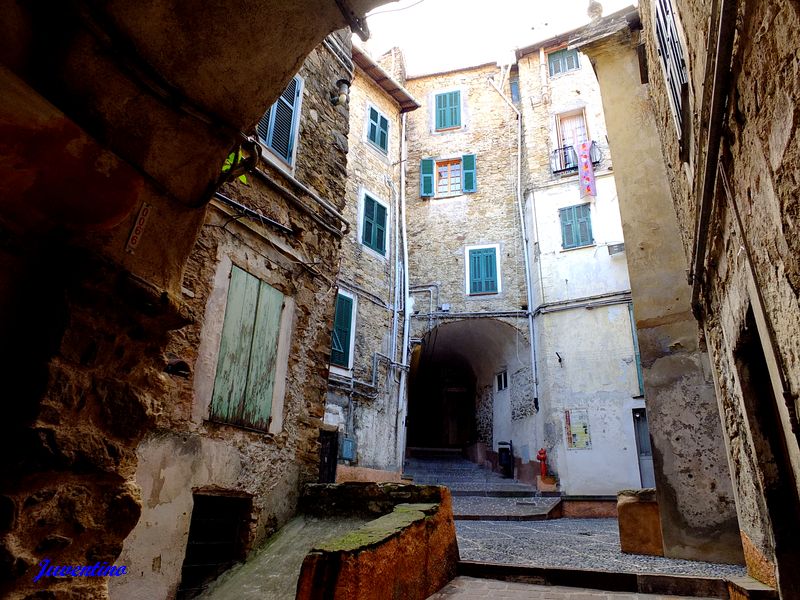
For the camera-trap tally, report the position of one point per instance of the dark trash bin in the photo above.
(505, 458)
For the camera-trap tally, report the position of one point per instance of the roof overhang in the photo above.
(385, 81)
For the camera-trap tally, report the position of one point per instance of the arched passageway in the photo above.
(460, 381)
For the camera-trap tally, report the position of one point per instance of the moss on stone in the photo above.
(380, 529)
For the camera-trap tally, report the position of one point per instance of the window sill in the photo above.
(480, 294)
(263, 432)
(592, 245)
(383, 154)
(447, 196)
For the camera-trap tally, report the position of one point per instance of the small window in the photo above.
(448, 177)
(576, 226)
(342, 331)
(482, 270)
(277, 129)
(563, 61)
(502, 381)
(248, 353)
(373, 234)
(378, 130)
(513, 85)
(448, 110)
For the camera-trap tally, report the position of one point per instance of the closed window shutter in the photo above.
(257, 407)
(455, 109)
(470, 181)
(441, 111)
(584, 225)
(380, 228)
(567, 226)
(372, 136)
(670, 49)
(282, 122)
(489, 270)
(475, 272)
(342, 327)
(369, 221)
(426, 167)
(383, 134)
(247, 361)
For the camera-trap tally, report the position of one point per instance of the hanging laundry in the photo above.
(586, 170)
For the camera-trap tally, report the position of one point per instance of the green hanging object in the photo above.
(233, 160)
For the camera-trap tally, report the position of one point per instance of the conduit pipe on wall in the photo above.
(719, 95)
(408, 308)
(396, 282)
(524, 233)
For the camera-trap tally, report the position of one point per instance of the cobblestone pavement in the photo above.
(503, 507)
(470, 588)
(463, 477)
(569, 543)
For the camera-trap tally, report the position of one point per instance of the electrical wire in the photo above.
(391, 10)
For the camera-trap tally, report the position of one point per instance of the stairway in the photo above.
(478, 493)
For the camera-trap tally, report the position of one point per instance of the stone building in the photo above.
(366, 388)
(712, 90)
(113, 125)
(497, 224)
(593, 422)
(235, 433)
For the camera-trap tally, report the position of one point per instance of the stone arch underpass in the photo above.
(470, 382)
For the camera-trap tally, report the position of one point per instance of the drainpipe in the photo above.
(408, 307)
(524, 233)
(636, 354)
(396, 303)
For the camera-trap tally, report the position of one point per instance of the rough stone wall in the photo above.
(483, 415)
(440, 229)
(761, 157)
(542, 102)
(370, 276)
(696, 499)
(185, 452)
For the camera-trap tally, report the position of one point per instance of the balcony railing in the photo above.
(565, 159)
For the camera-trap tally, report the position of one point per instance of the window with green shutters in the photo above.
(342, 331)
(482, 273)
(448, 110)
(378, 130)
(277, 129)
(448, 177)
(563, 61)
(576, 226)
(373, 234)
(248, 351)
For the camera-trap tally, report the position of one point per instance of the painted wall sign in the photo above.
(577, 426)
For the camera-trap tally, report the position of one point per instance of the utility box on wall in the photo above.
(348, 449)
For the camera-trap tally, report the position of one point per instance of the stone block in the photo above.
(546, 485)
(639, 522)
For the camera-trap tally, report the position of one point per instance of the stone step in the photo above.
(486, 508)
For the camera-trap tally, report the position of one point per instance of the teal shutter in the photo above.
(342, 327)
(246, 365)
(448, 110)
(277, 128)
(426, 167)
(383, 134)
(378, 130)
(576, 226)
(482, 271)
(372, 134)
(470, 181)
(374, 233)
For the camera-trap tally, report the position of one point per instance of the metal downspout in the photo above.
(534, 369)
(408, 307)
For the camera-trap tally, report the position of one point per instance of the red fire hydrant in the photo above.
(541, 456)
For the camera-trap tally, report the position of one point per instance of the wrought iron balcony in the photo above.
(565, 159)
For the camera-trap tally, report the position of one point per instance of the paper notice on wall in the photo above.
(588, 184)
(577, 429)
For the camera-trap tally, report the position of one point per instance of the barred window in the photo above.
(671, 52)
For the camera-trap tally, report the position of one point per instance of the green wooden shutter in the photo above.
(342, 327)
(441, 111)
(475, 272)
(372, 134)
(257, 407)
(489, 270)
(368, 234)
(383, 134)
(583, 217)
(470, 180)
(380, 228)
(234, 351)
(454, 99)
(426, 168)
(567, 216)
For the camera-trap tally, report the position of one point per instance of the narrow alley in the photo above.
(421, 299)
